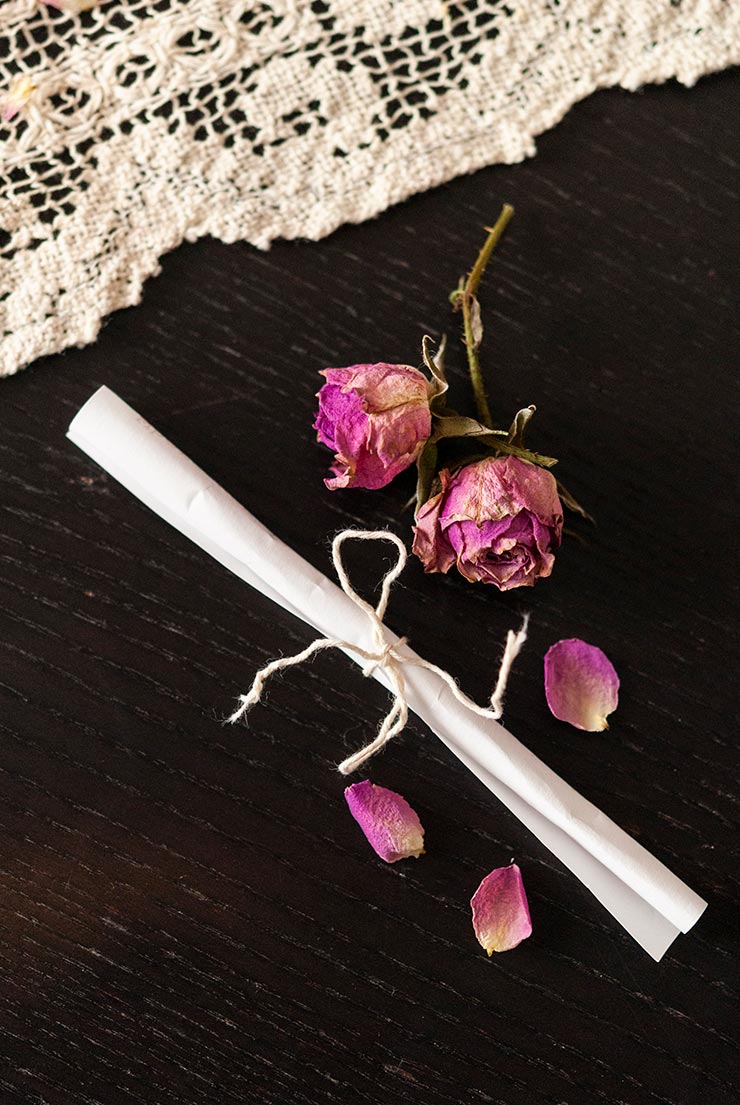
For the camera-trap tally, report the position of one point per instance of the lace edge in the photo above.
(62, 331)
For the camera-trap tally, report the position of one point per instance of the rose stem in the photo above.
(465, 298)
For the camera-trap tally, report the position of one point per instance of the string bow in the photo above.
(386, 655)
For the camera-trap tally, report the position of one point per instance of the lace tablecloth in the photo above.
(138, 125)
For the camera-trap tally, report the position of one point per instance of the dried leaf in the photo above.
(572, 504)
(515, 451)
(436, 367)
(426, 467)
(452, 424)
(519, 425)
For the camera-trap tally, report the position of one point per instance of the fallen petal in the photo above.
(20, 91)
(500, 910)
(581, 685)
(387, 820)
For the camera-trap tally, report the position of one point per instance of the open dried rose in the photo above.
(498, 520)
(375, 418)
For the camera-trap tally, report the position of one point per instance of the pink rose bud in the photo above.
(581, 685)
(375, 418)
(497, 520)
(500, 910)
(387, 820)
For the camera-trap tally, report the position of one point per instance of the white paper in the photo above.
(646, 898)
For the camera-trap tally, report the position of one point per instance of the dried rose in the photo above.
(497, 520)
(500, 910)
(581, 685)
(375, 418)
(387, 820)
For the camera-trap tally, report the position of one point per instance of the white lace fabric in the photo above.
(157, 121)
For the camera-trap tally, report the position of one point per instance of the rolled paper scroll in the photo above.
(647, 899)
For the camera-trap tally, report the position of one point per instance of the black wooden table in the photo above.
(188, 913)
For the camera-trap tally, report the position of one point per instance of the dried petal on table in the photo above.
(581, 685)
(500, 910)
(387, 820)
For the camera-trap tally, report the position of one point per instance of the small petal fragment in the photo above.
(581, 685)
(20, 92)
(387, 820)
(74, 6)
(500, 910)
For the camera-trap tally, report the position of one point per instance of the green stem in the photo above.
(464, 297)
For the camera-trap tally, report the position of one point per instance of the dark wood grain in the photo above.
(188, 914)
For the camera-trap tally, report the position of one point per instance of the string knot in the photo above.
(385, 655)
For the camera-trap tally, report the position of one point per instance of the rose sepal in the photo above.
(435, 364)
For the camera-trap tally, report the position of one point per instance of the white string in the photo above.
(514, 642)
(386, 655)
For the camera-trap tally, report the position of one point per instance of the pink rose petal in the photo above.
(500, 910)
(20, 92)
(581, 685)
(387, 820)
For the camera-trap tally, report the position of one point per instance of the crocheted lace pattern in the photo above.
(138, 125)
